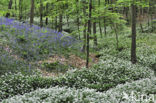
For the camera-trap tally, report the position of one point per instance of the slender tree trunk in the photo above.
(84, 38)
(41, 13)
(78, 20)
(151, 13)
(46, 21)
(140, 19)
(60, 23)
(15, 5)
(32, 12)
(99, 3)
(56, 24)
(133, 45)
(9, 7)
(89, 32)
(100, 28)
(67, 18)
(20, 10)
(94, 32)
(84, 31)
(15, 8)
(105, 27)
(104, 21)
(117, 39)
(78, 27)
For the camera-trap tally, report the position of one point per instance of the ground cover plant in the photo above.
(115, 95)
(31, 42)
(103, 76)
(77, 51)
(113, 69)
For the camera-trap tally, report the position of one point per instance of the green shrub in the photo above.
(55, 67)
(15, 84)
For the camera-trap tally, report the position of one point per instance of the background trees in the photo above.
(72, 16)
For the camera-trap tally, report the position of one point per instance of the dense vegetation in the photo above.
(77, 51)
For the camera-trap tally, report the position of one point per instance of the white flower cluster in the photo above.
(72, 95)
(109, 72)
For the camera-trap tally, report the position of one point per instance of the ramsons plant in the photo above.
(127, 93)
(18, 84)
(145, 52)
(108, 73)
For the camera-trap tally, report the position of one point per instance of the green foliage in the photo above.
(55, 67)
(113, 75)
(145, 48)
(21, 39)
(145, 87)
(15, 84)
(106, 74)
(11, 63)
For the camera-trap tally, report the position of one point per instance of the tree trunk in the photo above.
(56, 27)
(46, 21)
(89, 32)
(60, 23)
(41, 13)
(78, 27)
(133, 44)
(32, 12)
(105, 27)
(15, 5)
(67, 18)
(9, 7)
(20, 9)
(99, 3)
(117, 39)
(84, 38)
(94, 32)
(15, 8)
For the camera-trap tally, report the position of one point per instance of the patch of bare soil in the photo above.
(73, 60)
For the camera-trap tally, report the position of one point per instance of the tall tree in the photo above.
(94, 25)
(32, 12)
(41, 13)
(89, 32)
(20, 9)
(133, 44)
(47, 7)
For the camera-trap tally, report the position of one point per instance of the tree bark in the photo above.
(9, 7)
(46, 21)
(32, 12)
(133, 44)
(20, 10)
(41, 13)
(89, 32)
(94, 32)
(60, 23)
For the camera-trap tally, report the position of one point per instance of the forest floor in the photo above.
(61, 74)
(73, 60)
